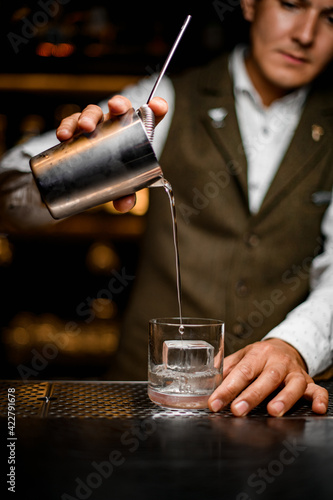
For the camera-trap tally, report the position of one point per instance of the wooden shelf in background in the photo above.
(65, 83)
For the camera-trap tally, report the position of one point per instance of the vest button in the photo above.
(238, 329)
(251, 239)
(242, 290)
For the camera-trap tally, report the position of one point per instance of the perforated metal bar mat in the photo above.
(113, 400)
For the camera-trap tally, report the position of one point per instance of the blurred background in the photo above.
(59, 318)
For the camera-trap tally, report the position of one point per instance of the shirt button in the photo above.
(242, 289)
(251, 239)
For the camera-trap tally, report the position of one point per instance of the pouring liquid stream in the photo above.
(169, 191)
(166, 184)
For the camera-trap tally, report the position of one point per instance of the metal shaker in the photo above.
(89, 169)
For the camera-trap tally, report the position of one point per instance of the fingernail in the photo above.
(278, 408)
(241, 408)
(62, 131)
(118, 101)
(216, 405)
(321, 407)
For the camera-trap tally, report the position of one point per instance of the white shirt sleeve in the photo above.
(17, 158)
(309, 327)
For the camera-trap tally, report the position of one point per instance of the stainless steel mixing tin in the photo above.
(115, 160)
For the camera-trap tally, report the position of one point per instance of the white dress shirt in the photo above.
(266, 133)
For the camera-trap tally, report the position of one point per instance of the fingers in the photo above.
(247, 366)
(85, 121)
(92, 115)
(295, 386)
(319, 397)
(270, 379)
(118, 105)
(160, 108)
(231, 361)
(253, 373)
(67, 127)
(125, 204)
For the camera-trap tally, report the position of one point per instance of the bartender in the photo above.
(247, 147)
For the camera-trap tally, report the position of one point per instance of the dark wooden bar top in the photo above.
(108, 441)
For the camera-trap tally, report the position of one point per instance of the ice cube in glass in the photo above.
(188, 355)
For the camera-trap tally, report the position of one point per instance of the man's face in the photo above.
(292, 40)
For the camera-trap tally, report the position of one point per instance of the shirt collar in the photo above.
(243, 84)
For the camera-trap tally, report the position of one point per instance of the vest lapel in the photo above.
(305, 150)
(216, 93)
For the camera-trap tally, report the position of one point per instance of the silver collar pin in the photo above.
(217, 115)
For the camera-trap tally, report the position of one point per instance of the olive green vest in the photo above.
(249, 270)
